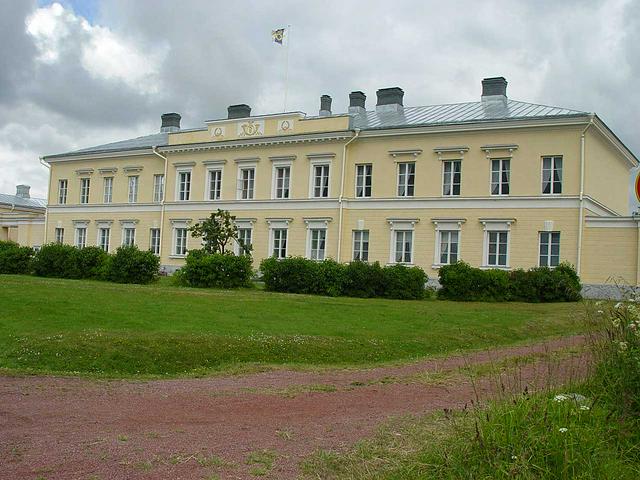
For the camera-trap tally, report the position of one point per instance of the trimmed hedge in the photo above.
(57, 260)
(357, 279)
(131, 265)
(217, 270)
(15, 259)
(462, 282)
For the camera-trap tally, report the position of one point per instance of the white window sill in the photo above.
(177, 256)
(495, 267)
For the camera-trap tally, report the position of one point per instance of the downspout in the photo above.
(341, 197)
(162, 202)
(46, 210)
(581, 208)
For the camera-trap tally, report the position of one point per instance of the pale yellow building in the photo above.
(497, 183)
(22, 218)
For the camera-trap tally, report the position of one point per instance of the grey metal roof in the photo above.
(471, 112)
(147, 141)
(22, 202)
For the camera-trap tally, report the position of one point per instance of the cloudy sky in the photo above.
(78, 73)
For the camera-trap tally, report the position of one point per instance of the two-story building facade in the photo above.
(497, 183)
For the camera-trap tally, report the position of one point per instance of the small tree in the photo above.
(217, 231)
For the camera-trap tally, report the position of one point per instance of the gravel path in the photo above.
(71, 428)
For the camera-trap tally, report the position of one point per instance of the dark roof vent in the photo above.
(239, 111)
(325, 106)
(357, 101)
(170, 122)
(494, 90)
(22, 191)
(390, 99)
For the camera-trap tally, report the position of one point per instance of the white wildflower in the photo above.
(598, 303)
(563, 430)
(560, 398)
(632, 326)
(600, 312)
(618, 305)
(623, 346)
(514, 457)
(616, 322)
(584, 407)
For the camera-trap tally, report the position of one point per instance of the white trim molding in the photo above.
(107, 170)
(84, 171)
(132, 168)
(396, 224)
(446, 224)
(457, 152)
(414, 152)
(316, 223)
(496, 225)
(612, 222)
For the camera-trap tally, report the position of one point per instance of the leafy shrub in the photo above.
(406, 283)
(93, 263)
(217, 270)
(57, 260)
(15, 259)
(364, 280)
(131, 265)
(328, 278)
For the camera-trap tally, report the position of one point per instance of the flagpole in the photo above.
(286, 68)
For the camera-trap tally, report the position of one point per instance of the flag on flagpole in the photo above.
(278, 35)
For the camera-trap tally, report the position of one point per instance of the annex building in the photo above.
(498, 183)
(22, 218)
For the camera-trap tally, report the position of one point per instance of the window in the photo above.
(107, 196)
(551, 175)
(180, 241)
(158, 188)
(184, 185)
(59, 235)
(320, 181)
(549, 249)
(154, 241)
(363, 180)
(244, 240)
(214, 185)
(406, 179)
(62, 191)
(84, 190)
(247, 183)
(281, 181)
(279, 242)
(404, 246)
(81, 237)
(103, 238)
(133, 188)
(361, 245)
(451, 177)
(500, 173)
(448, 244)
(128, 236)
(498, 244)
(318, 238)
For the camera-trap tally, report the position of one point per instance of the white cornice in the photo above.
(97, 156)
(613, 222)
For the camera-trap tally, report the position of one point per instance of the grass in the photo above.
(110, 330)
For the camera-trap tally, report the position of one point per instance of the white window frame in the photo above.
(451, 184)
(243, 224)
(133, 183)
(63, 188)
(363, 177)
(312, 178)
(107, 190)
(550, 243)
(158, 187)
(406, 184)
(500, 183)
(80, 225)
(209, 191)
(316, 225)
(179, 192)
(128, 236)
(274, 180)
(106, 226)
(179, 224)
(152, 237)
(251, 182)
(401, 225)
(85, 190)
(278, 224)
(553, 159)
(358, 248)
(59, 234)
(492, 226)
(446, 225)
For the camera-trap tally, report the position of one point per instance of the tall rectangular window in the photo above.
(498, 244)
(448, 246)
(81, 237)
(279, 242)
(363, 180)
(403, 246)
(318, 243)
(107, 196)
(247, 183)
(85, 183)
(552, 174)
(103, 238)
(180, 244)
(549, 249)
(128, 236)
(133, 188)
(282, 181)
(158, 188)
(361, 245)
(62, 191)
(184, 185)
(215, 184)
(500, 175)
(154, 241)
(406, 179)
(320, 181)
(244, 240)
(59, 235)
(451, 177)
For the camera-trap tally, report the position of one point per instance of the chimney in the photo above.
(356, 102)
(325, 106)
(494, 91)
(22, 191)
(389, 100)
(170, 122)
(239, 111)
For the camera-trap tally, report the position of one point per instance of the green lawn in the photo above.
(106, 329)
